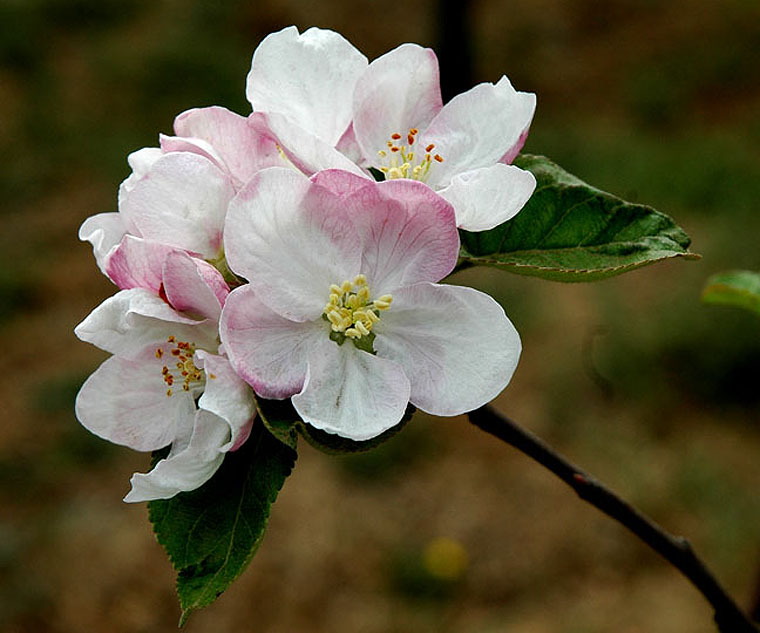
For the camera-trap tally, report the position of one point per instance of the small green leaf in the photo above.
(740, 288)
(570, 231)
(212, 533)
(337, 445)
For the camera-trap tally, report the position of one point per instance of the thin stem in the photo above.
(675, 549)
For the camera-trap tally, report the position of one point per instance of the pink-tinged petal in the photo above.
(514, 151)
(181, 201)
(303, 150)
(349, 147)
(484, 198)
(350, 392)
(268, 351)
(187, 469)
(291, 239)
(456, 345)
(409, 234)
(104, 231)
(309, 78)
(124, 401)
(191, 285)
(132, 319)
(477, 128)
(191, 145)
(239, 147)
(399, 91)
(227, 396)
(341, 183)
(138, 263)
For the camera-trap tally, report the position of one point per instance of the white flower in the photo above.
(328, 108)
(343, 312)
(177, 194)
(165, 358)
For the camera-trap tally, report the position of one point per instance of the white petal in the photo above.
(125, 402)
(104, 231)
(131, 319)
(305, 151)
(187, 469)
(291, 239)
(182, 202)
(350, 392)
(268, 351)
(227, 396)
(484, 198)
(476, 128)
(456, 345)
(309, 78)
(398, 91)
(140, 161)
(408, 232)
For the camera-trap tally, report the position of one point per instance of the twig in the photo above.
(675, 549)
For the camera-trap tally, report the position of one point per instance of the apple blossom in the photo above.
(166, 383)
(327, 107)
(176, 201)
(343, 313)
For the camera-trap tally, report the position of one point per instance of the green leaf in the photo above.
(212, 533)
(570, 231)
(740, 288)
(337, 445)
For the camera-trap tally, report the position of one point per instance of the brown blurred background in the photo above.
(633, 378)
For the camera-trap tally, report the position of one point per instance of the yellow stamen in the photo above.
(351, 311)
(401, 162)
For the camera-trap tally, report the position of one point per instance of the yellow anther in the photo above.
(382, 153)
(362, 328)
(350, 309)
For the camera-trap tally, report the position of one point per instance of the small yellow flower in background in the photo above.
(445, 558)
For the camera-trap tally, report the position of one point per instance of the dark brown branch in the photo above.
(675, 549)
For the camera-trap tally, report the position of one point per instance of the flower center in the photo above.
(183, 370)
(403, 161)
(352, 314)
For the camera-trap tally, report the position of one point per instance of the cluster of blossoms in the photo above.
(266, 256)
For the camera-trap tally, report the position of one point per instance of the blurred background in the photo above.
(443, 529)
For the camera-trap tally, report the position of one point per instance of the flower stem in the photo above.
(675, 549)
